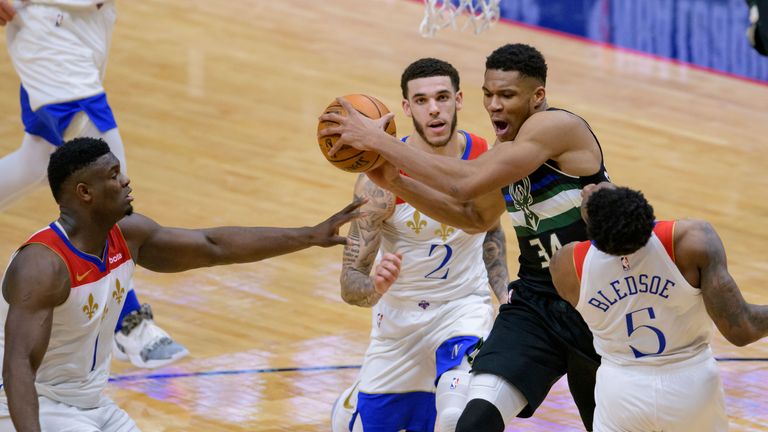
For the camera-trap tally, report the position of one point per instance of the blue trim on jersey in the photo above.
(543, 182)
(99, 263)
(451, 352)
(468, 147)
(95, 350)
(393, 412)
(50, 121)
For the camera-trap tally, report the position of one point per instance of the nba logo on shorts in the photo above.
(379, 317)
(454, 383)
(625, 263)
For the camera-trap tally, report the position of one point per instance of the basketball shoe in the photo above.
(143, 343)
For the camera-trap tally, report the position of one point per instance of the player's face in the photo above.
(109, 188)
(432, 104)
(510, 99)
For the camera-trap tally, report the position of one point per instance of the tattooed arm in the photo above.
(495, 257)
(700, 256)
(364, 238)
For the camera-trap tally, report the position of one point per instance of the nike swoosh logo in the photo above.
(347, 402)
(80, 277)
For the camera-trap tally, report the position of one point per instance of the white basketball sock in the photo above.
(24, 169)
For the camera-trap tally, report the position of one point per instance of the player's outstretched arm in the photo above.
(495, 258)
(7, 12)
(474, 216)
(357, 285)
(165, 249)
(36, 282)
(545, 135)
(697, 244)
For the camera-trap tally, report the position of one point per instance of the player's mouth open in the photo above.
(436, 125)
(501, 127)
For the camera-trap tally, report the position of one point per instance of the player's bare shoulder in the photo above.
(38, 275)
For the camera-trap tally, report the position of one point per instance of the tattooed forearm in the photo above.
(364, 238)
(495, 258)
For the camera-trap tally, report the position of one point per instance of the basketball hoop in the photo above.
(438, 14)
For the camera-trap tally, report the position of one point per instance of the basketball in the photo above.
(349, 158)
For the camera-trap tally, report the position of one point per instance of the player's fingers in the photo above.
(329, 131)
(336, 147)
(331, 116)
(386, 119)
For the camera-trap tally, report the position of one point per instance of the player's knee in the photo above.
(451, 398)
(480, 416)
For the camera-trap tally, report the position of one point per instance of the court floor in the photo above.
(217, 103)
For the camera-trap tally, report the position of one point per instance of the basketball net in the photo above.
(438, 14)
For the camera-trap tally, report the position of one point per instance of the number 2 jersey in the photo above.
(640, 308)
(440, 262)
(75, 368)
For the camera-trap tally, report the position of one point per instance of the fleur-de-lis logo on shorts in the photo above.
(91, 307)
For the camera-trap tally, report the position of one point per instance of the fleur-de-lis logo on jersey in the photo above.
(104, 315)
(91, 307)
(118, 293)
(444, 231)
(522, 200)
(417, 224)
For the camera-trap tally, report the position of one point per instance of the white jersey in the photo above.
(640, 308)
(75, 368)
(440, 262)
(60, 48)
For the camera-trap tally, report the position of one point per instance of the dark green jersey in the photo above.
(545, 211)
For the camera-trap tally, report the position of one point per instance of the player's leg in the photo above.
(25, 169)
(344, 416)
(451, 395)
(516, 366)
(691, 397)
(460, 326)
(493, 403)
(583, 361)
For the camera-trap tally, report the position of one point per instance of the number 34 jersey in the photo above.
(440, 262)
(640, 308)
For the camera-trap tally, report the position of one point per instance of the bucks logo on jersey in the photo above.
(522, 201)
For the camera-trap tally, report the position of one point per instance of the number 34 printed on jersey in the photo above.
(633, 326)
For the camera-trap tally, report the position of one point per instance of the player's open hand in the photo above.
(387, 271)
(7, 12)
(326, 233)
(354, 129)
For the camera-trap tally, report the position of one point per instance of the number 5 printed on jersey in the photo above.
(631, 328)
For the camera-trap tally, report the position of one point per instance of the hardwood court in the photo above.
(217, 103)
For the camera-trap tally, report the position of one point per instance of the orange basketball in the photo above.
(349, 158)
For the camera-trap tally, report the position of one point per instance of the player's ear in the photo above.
(538, 96)
(407, 107)
(83, 192)
(459, 99)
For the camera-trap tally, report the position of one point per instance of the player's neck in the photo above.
(86, 235)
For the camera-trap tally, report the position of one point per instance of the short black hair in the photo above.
(619, 221)
(521, 58)
(428, 67)
(70, 157)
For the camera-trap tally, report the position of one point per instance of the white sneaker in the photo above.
(143, 343)
(344, 409)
